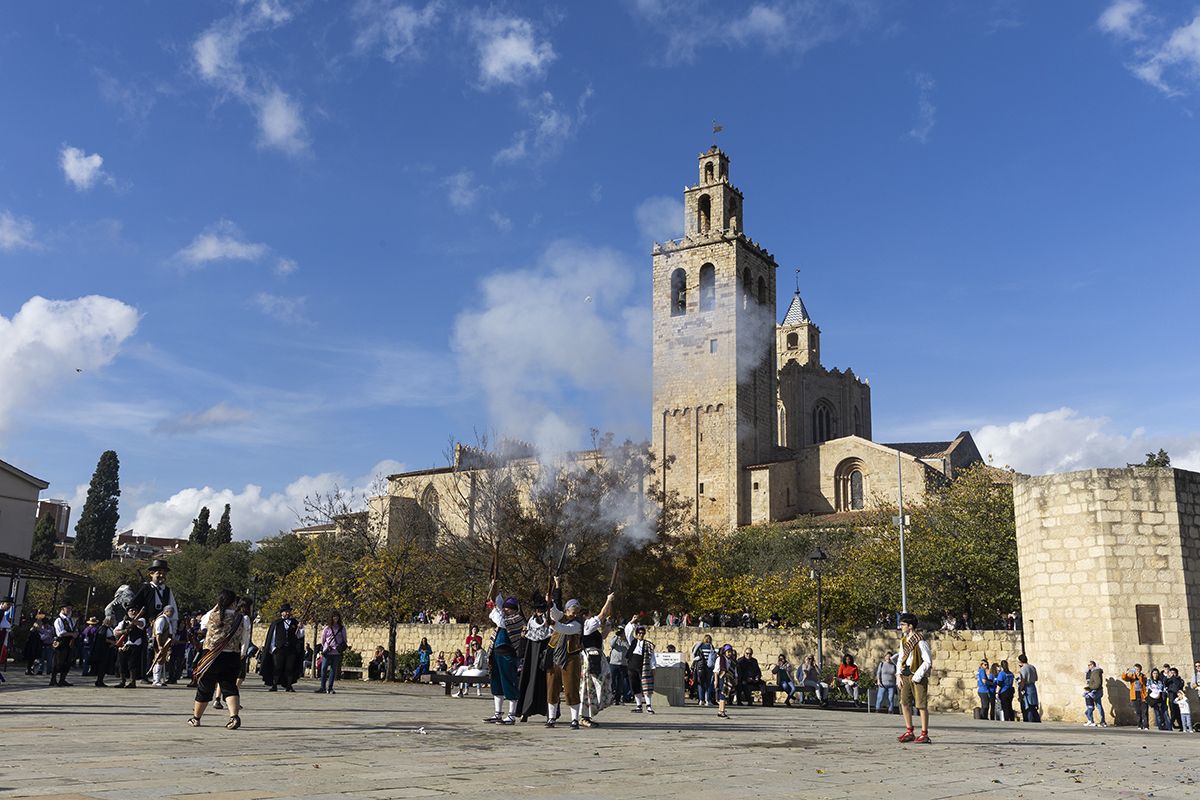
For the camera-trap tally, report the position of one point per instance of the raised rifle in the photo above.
(123, 640)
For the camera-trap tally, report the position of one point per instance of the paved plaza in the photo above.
(371, 740)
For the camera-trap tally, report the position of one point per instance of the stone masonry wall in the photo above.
(1092, 546)
(955, 655)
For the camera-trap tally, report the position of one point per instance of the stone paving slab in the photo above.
(92, 744)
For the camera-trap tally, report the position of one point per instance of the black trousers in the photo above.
(286, 663)
(130, 664)
(987, 705)
(1006, 698)
(99, 662)
(62, 660)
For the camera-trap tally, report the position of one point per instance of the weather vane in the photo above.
(797, 280)
(716, 129)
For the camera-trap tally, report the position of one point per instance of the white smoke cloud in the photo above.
(546, 335)
(49, 342)
(1063, 440)
(255, 513)
(659, 219)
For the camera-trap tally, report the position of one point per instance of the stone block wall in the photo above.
(1093, 546)
(955, 655)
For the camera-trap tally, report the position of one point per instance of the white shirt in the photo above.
(63, 625)
(589, 625)
(164, 625)
(636, 645)
(537, 631)
(926, 656)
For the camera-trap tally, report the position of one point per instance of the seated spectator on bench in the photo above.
(440, 664)
(377, 670)
(847, 677)
(783, 676)
(809, 677)
(476, 668)
(458, 660)
(885, 679)
(749, 677)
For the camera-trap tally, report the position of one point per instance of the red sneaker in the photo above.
(907, 736)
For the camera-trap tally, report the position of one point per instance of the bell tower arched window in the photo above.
(708, 172)
(704, 213)
(824, 422)
(762, 290)
(678, 292)
(708, 287)
(793, 341)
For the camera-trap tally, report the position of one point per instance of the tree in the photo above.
(1159, 459)
(45, 537)
(224, 531)
(388, 584)
(98, 522)
(274, 559)
(201, 529)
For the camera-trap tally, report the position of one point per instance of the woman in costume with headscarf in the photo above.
(532, 684)
(505, 614)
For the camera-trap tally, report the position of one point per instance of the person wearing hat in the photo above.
(87, 638)
(283, 652)
(531, 687)
(103, 647)
(505, 614)
(64, 644)
(566, 670)
(915, 662)
(596, 692)
(639, 660)
(154, 595)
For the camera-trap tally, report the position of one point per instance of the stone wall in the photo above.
(1093, 547)
(955, 655)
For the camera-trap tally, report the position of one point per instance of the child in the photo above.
(1185, 712)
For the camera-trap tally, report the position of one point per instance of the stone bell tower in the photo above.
(714, 352)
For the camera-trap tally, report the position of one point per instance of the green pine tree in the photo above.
(224, 531)
(44, 539)
(98, 522)
(201, 529)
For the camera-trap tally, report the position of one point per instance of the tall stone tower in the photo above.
(714, 406)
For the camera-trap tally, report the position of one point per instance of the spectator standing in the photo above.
(1156, 696)
(1137, 694)
(1174, 685)
(783, 676)
(87, 639)
(1185, 711)
(704, 658)
(1005, 691)
(885, 680)
(1027, 678)
(847, 677)
(809, 677)
(333, 644)
(473, 637)
(986, 690)
(1093, 694)
(424, 654)
(749, 677)
(726, 678)
(618, 646)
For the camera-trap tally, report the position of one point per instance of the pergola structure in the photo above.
(19, 569)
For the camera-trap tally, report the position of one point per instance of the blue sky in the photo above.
(298, 244)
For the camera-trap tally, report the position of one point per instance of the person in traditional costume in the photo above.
(640, 663)
(915, 662)
(64, 646)
(154, 595)
(103, 647)
(283, 652)
(595, 693)
(505, 614)
(726, 678)
(131, 644)
(532, 684)
(566, 671)
(225, 635)
(164, 639)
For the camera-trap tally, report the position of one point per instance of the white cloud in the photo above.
(792, 26)
(1166, 58)
(1063, 440)
(222, 242)
(255, 514)
(926, 110)
(47, 342)
(81, 170)
(502, 223)
(1124, 19)
(540, 338)
(217, 416)
(394, 28)
(216, 54)
(285, 267)
(461, 190)
(16, 233)
(283, 309)
(659, 218)
(509, 50)
(551, 126)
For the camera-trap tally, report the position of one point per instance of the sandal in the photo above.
(723, 715)
(194, 722)
(234, 722)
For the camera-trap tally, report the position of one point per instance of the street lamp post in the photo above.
(816, 559)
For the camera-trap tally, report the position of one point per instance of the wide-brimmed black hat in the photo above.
(538, 604)
(285, 607)
(158, 564)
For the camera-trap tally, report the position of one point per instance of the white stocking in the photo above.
(498, 700)
(575, 713)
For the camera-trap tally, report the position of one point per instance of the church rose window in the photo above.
(678, 293)
(708, 287)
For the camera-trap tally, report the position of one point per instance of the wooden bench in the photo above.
(353, 672)
(450, 681)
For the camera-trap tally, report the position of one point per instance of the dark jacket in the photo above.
(748, 670)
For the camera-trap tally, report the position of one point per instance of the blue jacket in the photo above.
(1004, 681)
(983, 682)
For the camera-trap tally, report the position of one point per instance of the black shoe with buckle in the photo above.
(495, 718)
(574, 724)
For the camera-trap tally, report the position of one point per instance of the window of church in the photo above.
(708, 172)
(703, 213)
(702, 488)
(708, 287)
(824, 425)
(856, 490)
(678, 292)
(712, 345)
(762, 290)
(793, 341)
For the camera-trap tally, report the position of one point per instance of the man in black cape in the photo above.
(532, 685)
(283, 652)
(154, 595)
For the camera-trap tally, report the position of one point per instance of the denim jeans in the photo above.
(1093, 700)
(1029, 704)
(890, 692)
(1139, 706)
(47, 659)
(787, 687)
(620, 681)
(1161, 720)
(331, 663)
(704, 685)
(1186, 719)
(86, 660)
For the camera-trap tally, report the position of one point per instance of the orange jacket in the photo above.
(1137, 684)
